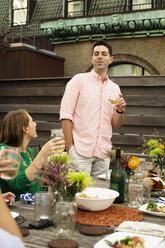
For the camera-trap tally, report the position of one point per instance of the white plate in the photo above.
(143, 209)
(149, 241)
(103, 176)
(14, 214)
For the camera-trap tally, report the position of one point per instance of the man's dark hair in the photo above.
(103, 43)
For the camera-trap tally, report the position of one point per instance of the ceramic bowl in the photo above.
(96, 199)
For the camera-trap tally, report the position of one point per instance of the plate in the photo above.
(103, 176)
(149, 241)
(143, 209)
(14, 214)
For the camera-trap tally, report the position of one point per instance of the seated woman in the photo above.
(17, 129)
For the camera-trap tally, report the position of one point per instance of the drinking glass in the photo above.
(44, 206)
(135, 195)
(11, 158)
(139, 175)
(114, 102)
(65, 219)
(56, 133)
(146, 184)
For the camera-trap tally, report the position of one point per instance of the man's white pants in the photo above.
(93, 166)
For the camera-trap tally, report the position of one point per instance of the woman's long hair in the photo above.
(12, 127)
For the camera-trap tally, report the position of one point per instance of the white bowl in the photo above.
(101, 198)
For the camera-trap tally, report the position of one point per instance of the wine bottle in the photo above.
(117, 179)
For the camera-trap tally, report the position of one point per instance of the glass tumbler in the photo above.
(44, 206)
(65, 219)
(135, 195)
(147, 185)
(9, 162)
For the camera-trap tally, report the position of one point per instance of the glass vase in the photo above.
(65, 213)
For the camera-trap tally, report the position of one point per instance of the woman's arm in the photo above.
(48, 149)
(7, 222)
(23, 180)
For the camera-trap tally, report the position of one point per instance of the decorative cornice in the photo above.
(116, 26)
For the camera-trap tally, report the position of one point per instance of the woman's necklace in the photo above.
(29, 156)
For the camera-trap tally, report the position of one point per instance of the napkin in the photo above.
(142, 227)
(160, 200)
(27, 198)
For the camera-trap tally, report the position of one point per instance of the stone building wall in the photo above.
(146, 52)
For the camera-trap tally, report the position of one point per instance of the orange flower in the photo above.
(161, 146)
(133, 163)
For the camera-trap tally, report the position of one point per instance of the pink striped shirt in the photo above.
(85, 102)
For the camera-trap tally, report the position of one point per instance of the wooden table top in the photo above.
(40, 238)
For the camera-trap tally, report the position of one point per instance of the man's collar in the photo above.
(97, 76)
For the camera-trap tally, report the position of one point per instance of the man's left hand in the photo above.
(122, 104)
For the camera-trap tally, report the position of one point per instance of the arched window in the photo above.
(127, 69)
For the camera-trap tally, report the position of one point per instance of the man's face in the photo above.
(101, 58)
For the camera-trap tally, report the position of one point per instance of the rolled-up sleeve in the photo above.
(70, 97)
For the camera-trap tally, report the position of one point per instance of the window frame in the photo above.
(128, 63)
(18, 9)
(84, 11)
(31, 4)
(154, 4)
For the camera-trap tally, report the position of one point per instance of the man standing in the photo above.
(87, 114)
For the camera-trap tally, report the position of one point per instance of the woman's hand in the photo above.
(56, 145)
(9, 198)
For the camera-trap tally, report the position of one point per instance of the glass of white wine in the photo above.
(10, 160)
(114, 102)
(57, 133)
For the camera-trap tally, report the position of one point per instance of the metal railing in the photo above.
(20, 33)
(98, 9)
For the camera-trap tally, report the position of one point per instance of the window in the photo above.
(141, 4)
(22, 11)
(127, 70)
(19, 8)
(75, 8)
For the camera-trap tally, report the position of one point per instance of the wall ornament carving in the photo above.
(111, 27)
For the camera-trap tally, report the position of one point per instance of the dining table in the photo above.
(40, 238)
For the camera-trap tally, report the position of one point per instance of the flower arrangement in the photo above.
(58, 177)
(155, 148)
(128, 162)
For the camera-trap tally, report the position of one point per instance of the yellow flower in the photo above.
(161, 146)
(133, 163)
